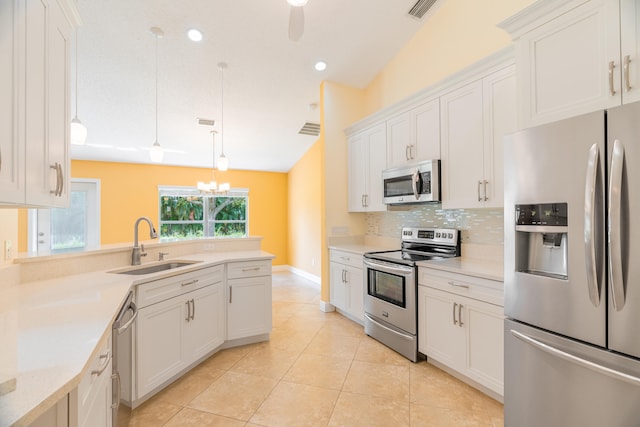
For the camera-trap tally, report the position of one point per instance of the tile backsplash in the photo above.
(479, 226)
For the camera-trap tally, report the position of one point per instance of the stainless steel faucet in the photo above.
(137, 252)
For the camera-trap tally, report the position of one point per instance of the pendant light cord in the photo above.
(156, 88)
(76, 72)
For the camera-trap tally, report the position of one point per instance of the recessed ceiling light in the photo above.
(297, 3)
(194, 35)
(321, 66)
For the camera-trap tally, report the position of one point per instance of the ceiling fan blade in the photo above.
(296, 23)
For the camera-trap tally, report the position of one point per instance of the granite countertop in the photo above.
(360, 248)
(485, 268)
(56, 327)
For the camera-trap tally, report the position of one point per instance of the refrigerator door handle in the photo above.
(590, 225)
(614, 240)
(577, 360)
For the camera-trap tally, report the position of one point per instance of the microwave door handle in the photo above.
(615, 232)
(415, 180)
(590, 225)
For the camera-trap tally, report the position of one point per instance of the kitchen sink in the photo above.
(154, 268)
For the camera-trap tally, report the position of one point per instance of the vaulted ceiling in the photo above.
(270, 85)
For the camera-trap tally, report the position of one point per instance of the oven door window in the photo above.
(387, 287)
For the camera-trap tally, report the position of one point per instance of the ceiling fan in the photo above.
(296, 19)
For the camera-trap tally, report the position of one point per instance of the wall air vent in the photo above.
(421, 7)
(310, 128)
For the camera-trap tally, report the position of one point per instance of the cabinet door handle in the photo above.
(627, 82)
(61, 179)
(455, 322)
(460, 315)
(612, 66)
(106, 358)
(485, 182)
(230, 294)
(411, 149)
(479, 184)
(407, 152)
(188, 311)
(58, 168)
(193, 311)
(190, 282)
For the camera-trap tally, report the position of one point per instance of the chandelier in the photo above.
(212, 187)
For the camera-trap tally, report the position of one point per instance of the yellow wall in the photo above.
(458, 33)
(129, 191)
(305, 211)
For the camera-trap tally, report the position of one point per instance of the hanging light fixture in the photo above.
(213, 187)
(156, 153)
(78, 132)
(223, 163)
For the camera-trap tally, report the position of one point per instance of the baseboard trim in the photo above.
(326, 307)
(315, 279)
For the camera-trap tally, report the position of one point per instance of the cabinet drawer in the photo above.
(237, 270)
(491, 291)
(169, 287)
(348, 258)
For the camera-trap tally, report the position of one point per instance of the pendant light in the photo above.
(156, 153)
(223, 163)
(78, 131)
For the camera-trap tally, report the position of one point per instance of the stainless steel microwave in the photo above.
(417, 183)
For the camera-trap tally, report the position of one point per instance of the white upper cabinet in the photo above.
(474, 119)
(575, 57)
(414, 135)
(11, 73)
(34, 135)
(367, 160)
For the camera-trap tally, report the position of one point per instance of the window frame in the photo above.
(208, 225)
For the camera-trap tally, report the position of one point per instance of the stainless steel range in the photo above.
(390, 300)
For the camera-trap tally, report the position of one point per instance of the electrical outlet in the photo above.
(8, 250)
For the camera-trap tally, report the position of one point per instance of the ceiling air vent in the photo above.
(310, 128)
(421, 7)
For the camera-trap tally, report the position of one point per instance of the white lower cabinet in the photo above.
(56, 416)
(347, 283)
(174, 333)
(248, 299)
(91, 400)
(461, 332)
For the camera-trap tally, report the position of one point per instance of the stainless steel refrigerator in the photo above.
(572, 272)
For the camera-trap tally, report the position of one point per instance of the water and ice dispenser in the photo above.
(541, 239)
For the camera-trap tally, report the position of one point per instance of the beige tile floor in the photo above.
(318, 369)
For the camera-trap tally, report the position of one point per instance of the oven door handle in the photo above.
(389, 267)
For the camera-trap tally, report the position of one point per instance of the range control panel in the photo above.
(430, 235)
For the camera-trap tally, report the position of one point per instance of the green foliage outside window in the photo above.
(195, 216)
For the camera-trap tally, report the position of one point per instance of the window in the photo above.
(72, 229)
(187, 214)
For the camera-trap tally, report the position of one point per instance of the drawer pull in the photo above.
(345, 258)
(191, 282)
(251, 269)
(103, 366)
(458, 285)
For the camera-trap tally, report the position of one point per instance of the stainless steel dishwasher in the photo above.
(121, 368)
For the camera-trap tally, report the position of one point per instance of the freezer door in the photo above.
(623, 140)
(553, 381)
(558, 163)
